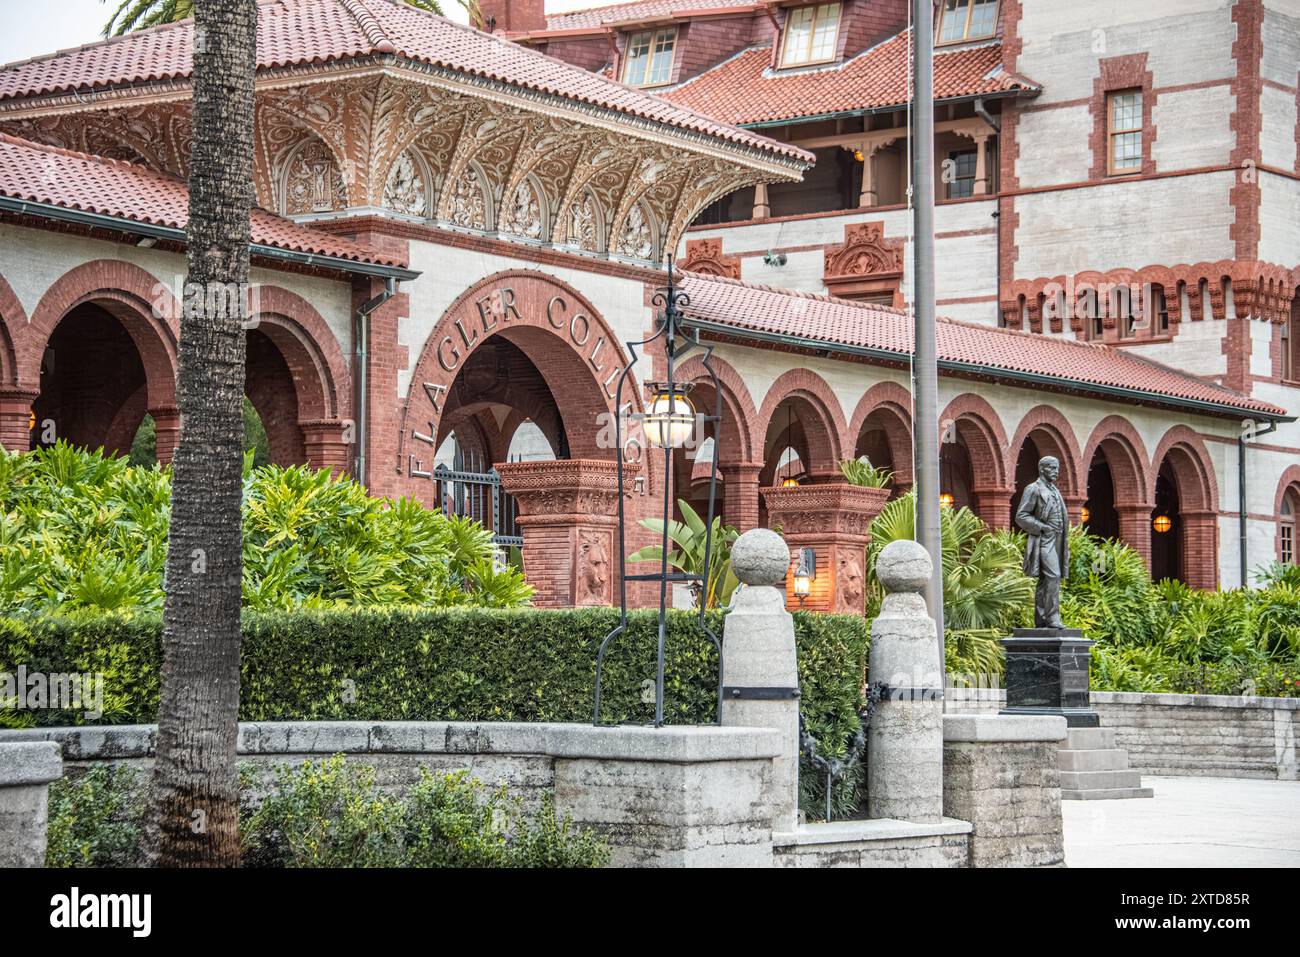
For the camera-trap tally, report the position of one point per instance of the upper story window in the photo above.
(1124, 131)
(962, 181)
(810, 34)
(967, 20)
(649, 60)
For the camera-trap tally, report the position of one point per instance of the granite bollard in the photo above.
(905, 738)
(26, 771)
(759, 664)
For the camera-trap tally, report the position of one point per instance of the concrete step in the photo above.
(1106, 794)
(1090, 739)
(1106, 780)
(1099, 759)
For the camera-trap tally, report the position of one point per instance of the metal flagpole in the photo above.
(925, 374)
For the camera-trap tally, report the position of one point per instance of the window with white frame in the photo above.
(961, 182)
(649, 58)
(1286, 526)
(1124, 131)
(967, 20)
(810, 34)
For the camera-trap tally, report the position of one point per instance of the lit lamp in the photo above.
(946, 500)
(858, 155)
(1084, 514)
(789, 482)
(805, 574)
(1162, 523)
(670, 419)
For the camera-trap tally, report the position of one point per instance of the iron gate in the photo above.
(470, 490)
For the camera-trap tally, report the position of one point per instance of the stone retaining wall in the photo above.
(1209, 735)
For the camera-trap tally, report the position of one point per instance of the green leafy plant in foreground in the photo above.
(861, 472)
(689, 537)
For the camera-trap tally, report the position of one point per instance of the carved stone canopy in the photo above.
(440, 148)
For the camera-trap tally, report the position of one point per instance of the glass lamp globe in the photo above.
(670, 419)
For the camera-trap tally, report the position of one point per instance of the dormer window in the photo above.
(649, 59)
(810, 34)
(967, 20)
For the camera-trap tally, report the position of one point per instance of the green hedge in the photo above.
(473, 664)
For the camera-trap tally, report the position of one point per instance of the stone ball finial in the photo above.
(760, 557)
(903, 566)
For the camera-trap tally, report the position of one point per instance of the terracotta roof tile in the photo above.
(291, 32)
(744, 90)
(636, 10)
(1082, 366)
(45, 174)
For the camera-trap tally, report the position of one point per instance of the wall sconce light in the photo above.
(805, 573)
(946, 500)
(858, 155)
(1162, 523)
(1084, 515)
(669, 421)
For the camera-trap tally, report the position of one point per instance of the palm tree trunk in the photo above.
(194, 804)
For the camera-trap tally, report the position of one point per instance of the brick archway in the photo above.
(820, 420)
(15, 401)
(130, 322)
(1120, 448)
(1288, 483)
(1192, 471)
(886, 407)
(971, 422)
(1053, 435)
(739, 463)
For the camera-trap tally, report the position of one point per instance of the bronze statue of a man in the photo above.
(1042, 513)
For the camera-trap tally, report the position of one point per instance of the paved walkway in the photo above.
(1191, 822)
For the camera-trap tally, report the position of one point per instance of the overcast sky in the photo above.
(31, 27)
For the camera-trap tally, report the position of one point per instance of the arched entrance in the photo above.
(972, 469)
(101, 353)
(882, 426)
(1117, 500)
(523, 347)
(730, 441)
(1044, 431)
(1184, 519)
(801, 438)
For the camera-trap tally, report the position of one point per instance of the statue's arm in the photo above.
(1025, 513)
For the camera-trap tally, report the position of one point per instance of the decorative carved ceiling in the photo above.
(446, 154)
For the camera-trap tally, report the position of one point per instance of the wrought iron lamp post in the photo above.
(669, 423)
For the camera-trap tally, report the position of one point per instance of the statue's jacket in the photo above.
(1034, 515)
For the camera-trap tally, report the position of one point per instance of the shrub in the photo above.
(79, 530)
(94, 819)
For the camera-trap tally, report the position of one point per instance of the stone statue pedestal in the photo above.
(1047, 673)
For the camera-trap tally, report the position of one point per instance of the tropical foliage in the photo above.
(80, 530)
(688, 557)
(861, 472)
(985, 594)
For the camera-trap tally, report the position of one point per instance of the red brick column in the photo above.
(16, 419)
(1074, 507)
(326, 447)
(1200, 549)
(993, 506)
(835, 519)
(568, 511)
(1135, 528)
(167, 432)
(740, 494)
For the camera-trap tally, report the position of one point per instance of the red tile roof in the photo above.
(744, 90)
(594, 17)
(1077, 366)
(297, 32)
(56, 177)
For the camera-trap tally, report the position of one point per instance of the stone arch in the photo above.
(1053, 435)
(886, 406)
(1118, 441)
(1189, 465)
(820, 416)
(1289, 483)
(309, 346)
(573, 348)
(972, 420)
(13, 324)
(738, 412)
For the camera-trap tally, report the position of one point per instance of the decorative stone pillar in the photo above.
(740, 494)
(327, 446)
(16, 419)
(568, 511)
(1074, 507)
(905, 737)
(26, 771)
(834, 519)
(167, 433)
(1135, 528)
(762, 208)
(759, 665)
